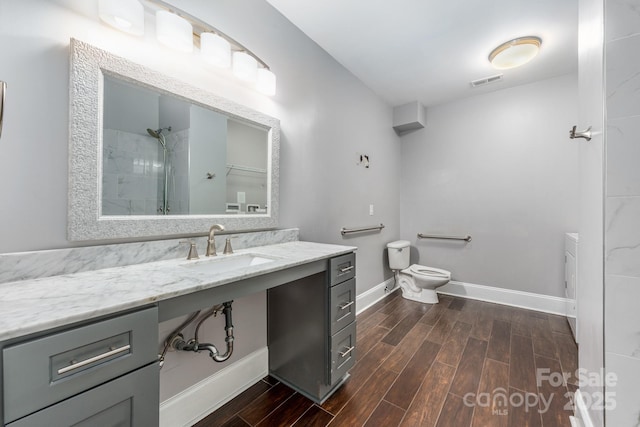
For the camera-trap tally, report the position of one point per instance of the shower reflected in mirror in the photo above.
(164, 209)
(163, 155)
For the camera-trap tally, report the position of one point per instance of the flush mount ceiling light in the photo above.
(515, 53)
(125, 15)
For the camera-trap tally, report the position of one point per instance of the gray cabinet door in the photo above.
(129, 401)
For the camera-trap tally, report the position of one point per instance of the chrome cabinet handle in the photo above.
(91, 360)
(343, 306)
(347, 351)
(3, 89)
(584, 134)
(345, 269)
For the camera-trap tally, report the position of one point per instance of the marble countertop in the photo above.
(36, 305)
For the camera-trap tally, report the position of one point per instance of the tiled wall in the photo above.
(622, 208)
(133, 176)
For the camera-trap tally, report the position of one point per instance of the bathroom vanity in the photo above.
(80, 348)
(312, 345)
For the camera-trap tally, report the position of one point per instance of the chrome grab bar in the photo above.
(346, 230)
(466, 238)
(3, 89)
(90, 360)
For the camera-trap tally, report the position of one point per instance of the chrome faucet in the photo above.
(211, 244)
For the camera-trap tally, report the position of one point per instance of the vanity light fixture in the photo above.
(245, 67)
(215, 50)
(266, 82)
(174, 31)
(181, 31)
(125, 15)
(515, 53)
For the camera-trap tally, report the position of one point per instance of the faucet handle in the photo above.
(227, 246)
(193, 251)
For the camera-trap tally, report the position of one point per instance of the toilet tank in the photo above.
(398, 254)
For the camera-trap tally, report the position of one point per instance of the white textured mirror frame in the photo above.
(85, 222)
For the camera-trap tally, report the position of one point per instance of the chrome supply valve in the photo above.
(193, 251)
(227, 247)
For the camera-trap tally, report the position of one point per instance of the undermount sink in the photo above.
(225, 263)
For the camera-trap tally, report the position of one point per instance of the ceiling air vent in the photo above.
(487, 80)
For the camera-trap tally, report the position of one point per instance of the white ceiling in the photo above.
(429, 50)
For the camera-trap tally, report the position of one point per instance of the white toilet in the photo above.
(418, 283)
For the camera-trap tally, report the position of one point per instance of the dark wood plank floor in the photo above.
(457, 363)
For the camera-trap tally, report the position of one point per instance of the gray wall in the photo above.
(499, 167)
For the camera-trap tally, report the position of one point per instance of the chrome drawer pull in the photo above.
(343, 306)
(347, 351)
(345, 269)
(93, 359)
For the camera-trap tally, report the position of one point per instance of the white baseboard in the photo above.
(372, 296)
(193, 404)
(581, 411)
(528, 300)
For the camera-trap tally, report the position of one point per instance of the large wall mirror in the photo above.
(153, 156)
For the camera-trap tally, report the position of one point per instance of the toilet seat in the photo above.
(421, 270)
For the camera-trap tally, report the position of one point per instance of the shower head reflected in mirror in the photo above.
(158, 134)
(164, 208)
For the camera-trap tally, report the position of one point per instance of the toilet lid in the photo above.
(429, 271)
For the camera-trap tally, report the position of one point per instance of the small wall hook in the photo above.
(210, 175)
(584, 134)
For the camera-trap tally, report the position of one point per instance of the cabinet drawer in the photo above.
(343, 352)
(46, 370)
(342, 268)
(343, 305)
(131, 400)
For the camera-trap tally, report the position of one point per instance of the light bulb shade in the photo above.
(215, 50)
(266, 82)
(245, 66)
(515, 53)
(173, 31)
(125, 15)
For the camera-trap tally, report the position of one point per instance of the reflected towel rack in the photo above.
(466, 238)
(346, 230)
(244, 169)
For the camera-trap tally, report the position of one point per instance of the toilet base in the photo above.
(411, 292)
(426, 296)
